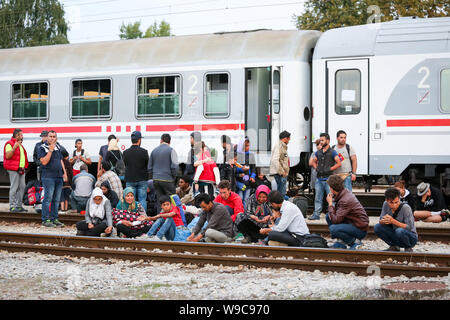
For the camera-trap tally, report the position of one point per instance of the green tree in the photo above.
(133, 30)
(328, 14)
(27, 23)
(130, 31)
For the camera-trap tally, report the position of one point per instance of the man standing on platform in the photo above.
(15, 162)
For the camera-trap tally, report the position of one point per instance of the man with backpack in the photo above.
(347, 155)
(79, 157)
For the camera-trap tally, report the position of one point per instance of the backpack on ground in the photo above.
(314, 240)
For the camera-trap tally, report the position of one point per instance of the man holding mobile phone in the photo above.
(15, 162)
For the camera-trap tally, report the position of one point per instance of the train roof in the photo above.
(208, 49)
(404, 36)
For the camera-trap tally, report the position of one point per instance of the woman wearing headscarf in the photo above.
(110, 194)
(126, 216)
(98, 218)
(245, 170)
(256, 215)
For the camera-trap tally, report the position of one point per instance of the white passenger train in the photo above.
(387, 85)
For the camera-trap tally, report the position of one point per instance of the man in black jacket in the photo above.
(136, 162)
(430, 206)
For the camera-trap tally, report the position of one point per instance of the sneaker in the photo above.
(21, 209)
(13, 210)
(261, 242)
(216, 193)
(58, 223)
(445, 214)
(81, 233)
(339, 245)
(409, 250)
(239, 237)
(356, 244)
(277, 243)
(196, 193)
(153, 238)
(314, 217)
(48, 224)
(392, 248)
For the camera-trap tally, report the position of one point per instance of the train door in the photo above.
(348, 105)
(258, 108)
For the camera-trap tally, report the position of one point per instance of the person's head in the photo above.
(392, 197)
(276, 199)
(262, 194)
(226, 141)
(65, 154)
(106, 187)
(51, 137)
(78, 144)
(423, 189)
(184, 182)
(224, 189)
(83, 167)
(97, 195)
(111, 136)
(112, 144)
(341, 137)
(18, 134)
(136, 138)
(165, 138)
(166, 204)
(324, 139)
(292, 192)
(247, 144)
(195, 137)
(400, 186)
(106, 165)
(259, 173)
(205, 202)
(318, 144)
(44, 135)
(128, 195)
(199, 146)
(285, 136)
(336, 183)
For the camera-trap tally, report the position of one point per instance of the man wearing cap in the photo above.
(136, 163)
(430, 205)
(43, 136)
(15, 162)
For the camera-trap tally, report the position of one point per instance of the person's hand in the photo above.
(265, 230)
(51, 147)
(253, 217)
(141, 218)
(90, 226)
(353, 177)
(252, 180)
(108, 230)
(330, 199)
(127, 223)
(191, 237)
(265, 219)
(387, 219)
(65, 179)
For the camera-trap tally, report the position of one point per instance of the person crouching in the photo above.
(346, 218)
(98, 217)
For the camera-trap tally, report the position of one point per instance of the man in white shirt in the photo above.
(79, 157)
(291, 228)
(347, 155)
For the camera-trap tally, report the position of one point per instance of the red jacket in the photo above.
(13, 163)
(234, 202)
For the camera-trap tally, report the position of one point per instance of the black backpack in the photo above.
(314, 240)
(119, 168)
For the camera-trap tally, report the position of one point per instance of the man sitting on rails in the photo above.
(430, 206)
(220, 225)
(396, 226)
(347, 220)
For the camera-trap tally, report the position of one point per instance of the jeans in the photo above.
(17, 189)
(140, 191)
(347, 232)
(348, 183)
(94, 232)
(322, 189)
(395, 237)
(166, 227)
(78, 203)
(52, 194)
(244, 195)
(281, 184)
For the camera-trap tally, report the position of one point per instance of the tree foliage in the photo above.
(328, 14)
(27, 23)
(133, 31)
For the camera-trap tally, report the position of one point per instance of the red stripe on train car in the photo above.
(57, 129)
(191, 127)
(418, 123)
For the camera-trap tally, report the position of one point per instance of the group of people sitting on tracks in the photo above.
(232, 201)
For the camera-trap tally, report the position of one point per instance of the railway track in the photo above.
(425, 234)
(308, 259)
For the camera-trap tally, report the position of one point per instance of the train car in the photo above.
(254, 83)
(388, 86)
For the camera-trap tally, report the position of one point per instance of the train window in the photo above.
(276, 91)
(217, 95)
(348, 92)
(158, 96)
(30, 101)
(91, 99)
(445, 90)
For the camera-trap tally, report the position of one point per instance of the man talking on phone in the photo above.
(15, 162)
